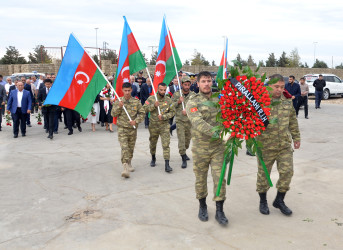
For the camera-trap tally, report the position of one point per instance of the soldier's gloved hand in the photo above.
(184, 112)
(121, 104)
(156, 104)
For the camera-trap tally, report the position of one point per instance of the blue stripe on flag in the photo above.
(162, 37)
(70, 62)
(124, 49)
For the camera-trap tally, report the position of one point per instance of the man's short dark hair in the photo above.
(292, 76)
(277, 76)
(162, 84)
(1, 76)
(126, 85)
(47, 80)
(320, 75)
(203, 74)
(302, 78)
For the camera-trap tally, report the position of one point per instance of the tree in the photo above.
(39, 55)
(111, 55)
(153, 58)
(213, 63)
(96, 59)
(261, 63)
(186, 63)
(271, 61)
(303, 65)
(239, 59)
(12, 56)
(199, 59)
(339, 66)
(319, 64)
(294, 58)
(283, 60)
(145, 59)
(250, 61)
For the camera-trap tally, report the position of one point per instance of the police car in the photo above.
(334, 85)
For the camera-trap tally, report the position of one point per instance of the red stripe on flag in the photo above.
(222, 60)
(82, 77)
(123, 76)
(132, 44)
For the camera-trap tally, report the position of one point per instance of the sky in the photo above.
(252, 27)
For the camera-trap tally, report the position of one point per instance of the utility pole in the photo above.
(96, 38)
(314, 52)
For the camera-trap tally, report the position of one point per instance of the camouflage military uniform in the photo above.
(127, 135)
(205, 152)
(183, 125)
(276, 140)
(159, 128)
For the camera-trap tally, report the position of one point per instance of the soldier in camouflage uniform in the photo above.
(206, 152)
(127, 134)
(159, 124)
(276, 141)
(183, 124)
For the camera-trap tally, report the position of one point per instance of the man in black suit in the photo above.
(146, 90)
(27, 86)
(2, 101)
(48, 111)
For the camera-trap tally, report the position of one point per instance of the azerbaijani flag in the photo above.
(130, 59)
(222, 74)
(165, 65)
(79, 80)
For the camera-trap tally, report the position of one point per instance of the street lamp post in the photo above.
(96, 40)
(314, 52)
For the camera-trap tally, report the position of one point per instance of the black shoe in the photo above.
(0, 127)
(23, 135)
(280, 204)
(146, 126)
(264, 209)
(102, 124)
(171, 131)
(50, 136)
(65, 127)
(55, 132)
(184, 161)
(167, 168)
(220, 215)
(250, 154)
(319, 107)
(46, 130)
(70, 133)
(306, 117)
(60, 119)
(153, 161)
(203, 215)
(29, 125)
(187, 158)
(15, 136)
(80, 129)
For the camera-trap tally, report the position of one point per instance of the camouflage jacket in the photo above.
(178, 107)
(166, 107)
(202, 117)
(283, 126)
(133, 107)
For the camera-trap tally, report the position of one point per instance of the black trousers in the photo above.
(302, 100)
(19, 118)
(49, 115)
(72, 117)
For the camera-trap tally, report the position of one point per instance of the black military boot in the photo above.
(167, 167)
(280, 204)
(203, 215)
(184, 161)
(153, 161)
(264, 209)
(220, 216)
(187, 158)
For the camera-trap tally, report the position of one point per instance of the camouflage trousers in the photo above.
(284, 164)
(127, 139)
(157, 129)
(184, 134)
(207, 154)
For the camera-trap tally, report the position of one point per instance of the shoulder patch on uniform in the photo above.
(194, 109)
(146, 102)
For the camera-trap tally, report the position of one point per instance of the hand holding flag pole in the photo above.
(153, 89)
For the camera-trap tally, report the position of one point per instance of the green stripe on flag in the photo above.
(136, 62)
(170, 68)
(220, 73)
(97, 83)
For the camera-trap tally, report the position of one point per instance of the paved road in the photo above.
(68, 194)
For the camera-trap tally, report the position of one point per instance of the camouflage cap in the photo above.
(186, 79)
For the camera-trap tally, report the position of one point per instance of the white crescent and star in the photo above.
(159, 73)
(124, 69)
(161, 62)
(81, 73)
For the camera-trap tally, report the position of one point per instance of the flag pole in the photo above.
(224, 62)
(171, 48)
(153, 88)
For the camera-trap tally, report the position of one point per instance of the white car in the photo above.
(334, 85)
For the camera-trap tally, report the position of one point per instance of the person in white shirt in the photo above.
(8, 84)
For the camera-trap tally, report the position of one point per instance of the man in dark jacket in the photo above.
(319, 84)
(294, 89)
